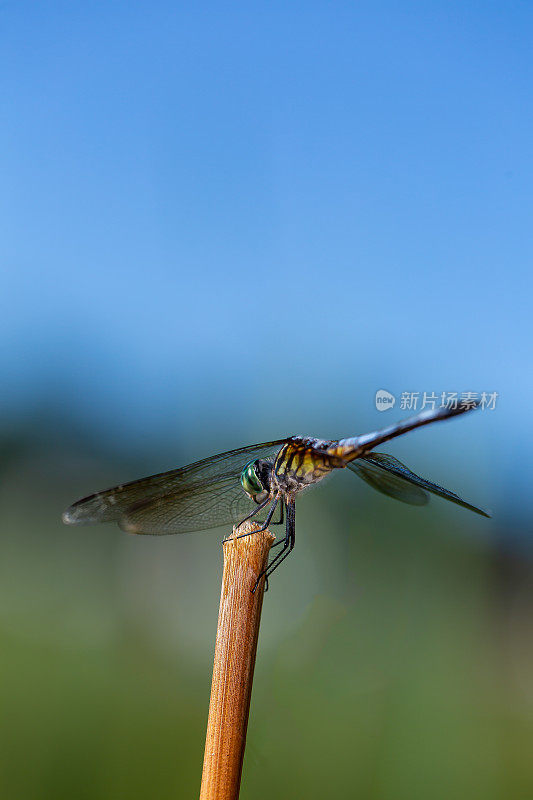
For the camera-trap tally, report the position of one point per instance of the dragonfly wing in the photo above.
(220, 502)
(385, 480)
(388, 475)
(204, 494)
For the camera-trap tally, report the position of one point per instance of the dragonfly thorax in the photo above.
(255, 479)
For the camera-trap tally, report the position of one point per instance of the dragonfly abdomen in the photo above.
(346, 449)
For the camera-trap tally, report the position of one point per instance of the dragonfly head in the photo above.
(255, 479)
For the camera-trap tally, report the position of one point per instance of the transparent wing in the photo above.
(202, 495)
(219, 502)
(388, 475)
(385, 480)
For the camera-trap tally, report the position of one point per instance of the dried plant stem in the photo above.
(233, 669)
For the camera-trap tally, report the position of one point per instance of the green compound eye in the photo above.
(250, 481)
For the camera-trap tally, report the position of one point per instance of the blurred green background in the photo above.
(394, 657)
(223, 225)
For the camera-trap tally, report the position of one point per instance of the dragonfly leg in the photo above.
(254, 512)
(280, 520)
(288, 544)
(267, 520)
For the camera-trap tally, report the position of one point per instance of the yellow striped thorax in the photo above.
(302, 462)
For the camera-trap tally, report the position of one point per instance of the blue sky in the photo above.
(248, 218)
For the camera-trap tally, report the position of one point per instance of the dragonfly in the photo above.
(254, 481)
